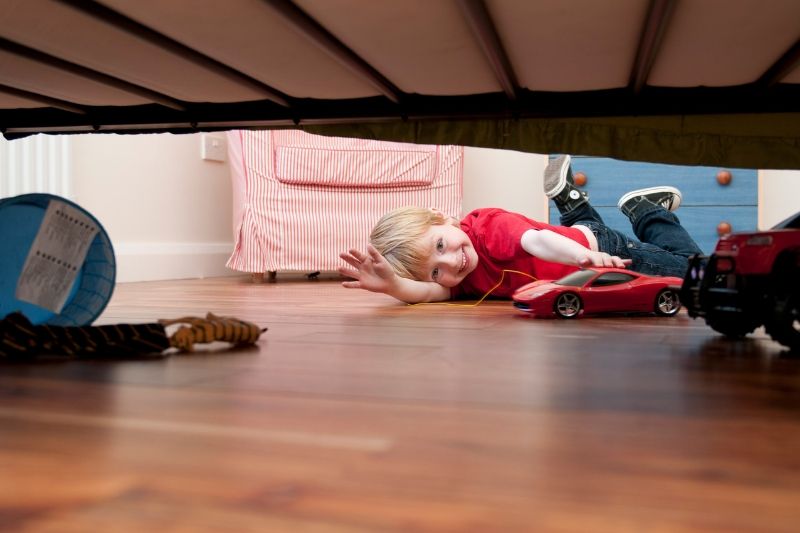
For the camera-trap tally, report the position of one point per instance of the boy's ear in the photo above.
(445, 219)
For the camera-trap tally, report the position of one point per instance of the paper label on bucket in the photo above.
(56, 256)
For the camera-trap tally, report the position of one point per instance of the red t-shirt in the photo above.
(496, 236)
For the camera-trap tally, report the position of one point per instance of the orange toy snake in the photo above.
(210, 329)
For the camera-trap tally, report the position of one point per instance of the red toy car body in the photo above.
(600, 290)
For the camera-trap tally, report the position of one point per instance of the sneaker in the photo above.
(667, 197)
(559, 185)
(556, 175)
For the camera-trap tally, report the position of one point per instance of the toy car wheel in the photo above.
(784, 324)
(734, 326)
(783, 321)
(568, 305)
(667, 303)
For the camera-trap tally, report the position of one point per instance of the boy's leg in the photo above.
(573, 204)
(646, 258)
(665, 245)
(651, 214)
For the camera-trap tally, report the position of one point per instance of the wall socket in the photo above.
(212, 147)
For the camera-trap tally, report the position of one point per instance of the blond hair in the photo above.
(397, 237)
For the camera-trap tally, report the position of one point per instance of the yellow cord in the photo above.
(500, 282)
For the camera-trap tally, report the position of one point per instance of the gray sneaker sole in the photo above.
(555, 175)
(650, 190)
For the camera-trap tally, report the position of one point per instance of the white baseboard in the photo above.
(160, 261)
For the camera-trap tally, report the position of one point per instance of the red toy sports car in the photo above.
(600, 290)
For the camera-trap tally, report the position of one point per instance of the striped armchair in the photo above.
(301, 199)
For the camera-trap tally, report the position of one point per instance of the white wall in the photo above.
(778, 196)
(503, 178)
(166, 210)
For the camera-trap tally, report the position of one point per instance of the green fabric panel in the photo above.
(763, 141)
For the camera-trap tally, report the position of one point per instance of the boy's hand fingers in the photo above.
(357, 254)
(351, 284)
(350, 260)
(374, 254)
(347, 272)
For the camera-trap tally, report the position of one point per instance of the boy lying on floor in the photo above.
(419, 255)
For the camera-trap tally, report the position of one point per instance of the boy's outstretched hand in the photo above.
(372, 271)
(601, 259)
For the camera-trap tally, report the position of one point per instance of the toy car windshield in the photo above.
(576, 279)
(793, 222)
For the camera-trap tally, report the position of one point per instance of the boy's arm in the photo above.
(373, 272)
(550, 246)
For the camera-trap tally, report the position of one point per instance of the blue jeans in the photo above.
(663, 248)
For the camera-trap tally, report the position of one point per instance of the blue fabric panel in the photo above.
(608, 179)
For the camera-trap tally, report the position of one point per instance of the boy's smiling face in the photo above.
(451, 254)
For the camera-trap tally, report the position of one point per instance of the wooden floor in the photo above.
(356, 413)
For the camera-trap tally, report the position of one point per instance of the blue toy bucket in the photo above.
(20, 220)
